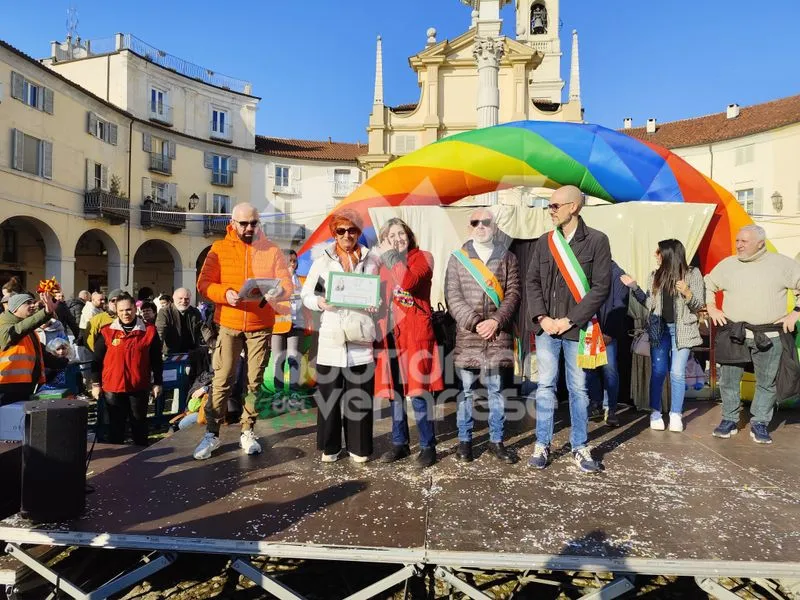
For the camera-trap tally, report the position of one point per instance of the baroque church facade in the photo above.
(478, 79)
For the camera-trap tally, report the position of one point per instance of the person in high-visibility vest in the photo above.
(22, 360)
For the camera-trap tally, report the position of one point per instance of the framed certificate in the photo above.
(254, 290)
(353, 290)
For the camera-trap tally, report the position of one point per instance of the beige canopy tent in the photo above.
(633, 228)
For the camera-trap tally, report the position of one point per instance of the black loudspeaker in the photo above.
(54, 460)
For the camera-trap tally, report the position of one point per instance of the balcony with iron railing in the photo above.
(222, 133)
(161, 113)
(342, 188)
(284, 230)
(287, 188)
(215, 224)
(99, 203)
(171, 218)
(73, 50)
(224, 178)
(160, 163)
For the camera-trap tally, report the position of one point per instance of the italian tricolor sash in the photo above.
(591, 347)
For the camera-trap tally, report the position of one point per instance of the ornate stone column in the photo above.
(487, 53)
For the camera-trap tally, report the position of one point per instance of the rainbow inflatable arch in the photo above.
(602, 162)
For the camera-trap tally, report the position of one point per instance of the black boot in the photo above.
(396, 453)
(464, 451)
(500, 452)
(427, 457)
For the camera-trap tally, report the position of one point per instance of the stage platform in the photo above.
(666, 503)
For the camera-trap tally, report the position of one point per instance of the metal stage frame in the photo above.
(455, 517)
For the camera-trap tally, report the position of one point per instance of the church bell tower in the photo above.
(538, 26)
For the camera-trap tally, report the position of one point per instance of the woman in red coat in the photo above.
(407, 358)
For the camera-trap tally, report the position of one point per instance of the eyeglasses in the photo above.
(484, 222)
(244, 224)
(340, 231)
(555, 206)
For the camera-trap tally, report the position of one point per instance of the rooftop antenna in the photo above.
(72, 22)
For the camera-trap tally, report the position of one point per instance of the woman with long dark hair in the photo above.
(675, 293)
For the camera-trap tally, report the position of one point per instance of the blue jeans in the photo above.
(548, 350)
(400, 422)
(493, 381)
(667, 357)
(605, 380)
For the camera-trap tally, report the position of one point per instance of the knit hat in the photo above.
(18, 300)
(115, 293)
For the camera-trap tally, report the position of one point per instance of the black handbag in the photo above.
(444, 328)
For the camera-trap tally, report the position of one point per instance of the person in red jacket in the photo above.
(127, 353)
(407, 358)
(245, 253)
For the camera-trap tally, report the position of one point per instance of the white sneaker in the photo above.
(207, 445)
(330, 458)
(359, 459)
(675, 422)
(657, 424)
(249, 443)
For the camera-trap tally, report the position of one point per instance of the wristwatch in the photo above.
(796, 309)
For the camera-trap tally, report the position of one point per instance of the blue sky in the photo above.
(312, 62)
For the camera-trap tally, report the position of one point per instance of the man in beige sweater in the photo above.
(755, 284)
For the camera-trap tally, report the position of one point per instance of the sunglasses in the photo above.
(484, 222)
(244, 224)
(340, 231)
(555, 206)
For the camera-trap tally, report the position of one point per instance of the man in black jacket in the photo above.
(603, 382)
(76, 305)
(558, 320)
(178, 324)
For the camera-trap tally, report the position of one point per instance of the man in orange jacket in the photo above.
(244, 253)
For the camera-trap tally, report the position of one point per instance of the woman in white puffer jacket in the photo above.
(345, 369)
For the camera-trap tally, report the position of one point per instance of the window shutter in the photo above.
(231, 203)
(89, 175)
(48, 100)
(355, 176)
(17, 82)
(104, 177)
(270, 170)
(147, 142)
(112, 134)
(233, 164)
(171, 146)
(147, 189)
(19, 149)
(172, 192)
(208, 160)
(91, 125)
(758, 201)
(331, 175)
(209, 202)
(47, 160)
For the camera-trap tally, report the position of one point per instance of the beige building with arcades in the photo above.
(120, 164)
